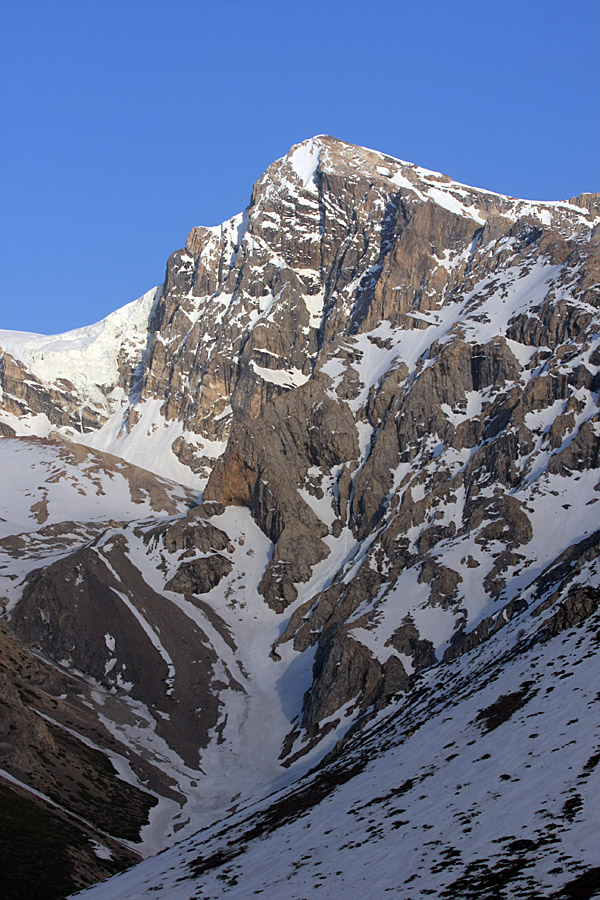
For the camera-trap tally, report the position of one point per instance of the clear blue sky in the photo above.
(126, 122)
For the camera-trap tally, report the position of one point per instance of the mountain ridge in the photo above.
(374, 395)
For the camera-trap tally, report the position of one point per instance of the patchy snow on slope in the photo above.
(38, 425)
(241, 762)
(45, 483)
(149, 442)
(513, 292)
(384, 346)
(561, 518)
(471, 410)
(477, 795)
(408, 600)
(321, 506)
(450, 202)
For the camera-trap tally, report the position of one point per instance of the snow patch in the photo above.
(304, 160)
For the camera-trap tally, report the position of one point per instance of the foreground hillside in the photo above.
(338, 476)
(482, 782)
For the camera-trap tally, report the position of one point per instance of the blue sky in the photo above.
(127, 122)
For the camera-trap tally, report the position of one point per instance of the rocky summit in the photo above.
(300, 555)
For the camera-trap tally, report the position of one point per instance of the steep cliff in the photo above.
(383, 386)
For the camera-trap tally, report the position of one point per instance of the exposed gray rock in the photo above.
(201, 575)
(399, 377)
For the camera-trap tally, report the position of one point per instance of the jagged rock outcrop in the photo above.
(25, 394)
(385, 386)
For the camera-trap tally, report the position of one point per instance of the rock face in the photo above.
(385, 387)
(66, 813)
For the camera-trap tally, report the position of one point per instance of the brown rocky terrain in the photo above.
(385, 387)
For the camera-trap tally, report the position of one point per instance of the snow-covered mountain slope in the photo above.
(48, 482)
(65, 772)
(90, 357)
(385, 386)
(482, 782)
(57, 496)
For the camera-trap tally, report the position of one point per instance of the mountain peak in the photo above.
(377, 390)
(305, 162)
